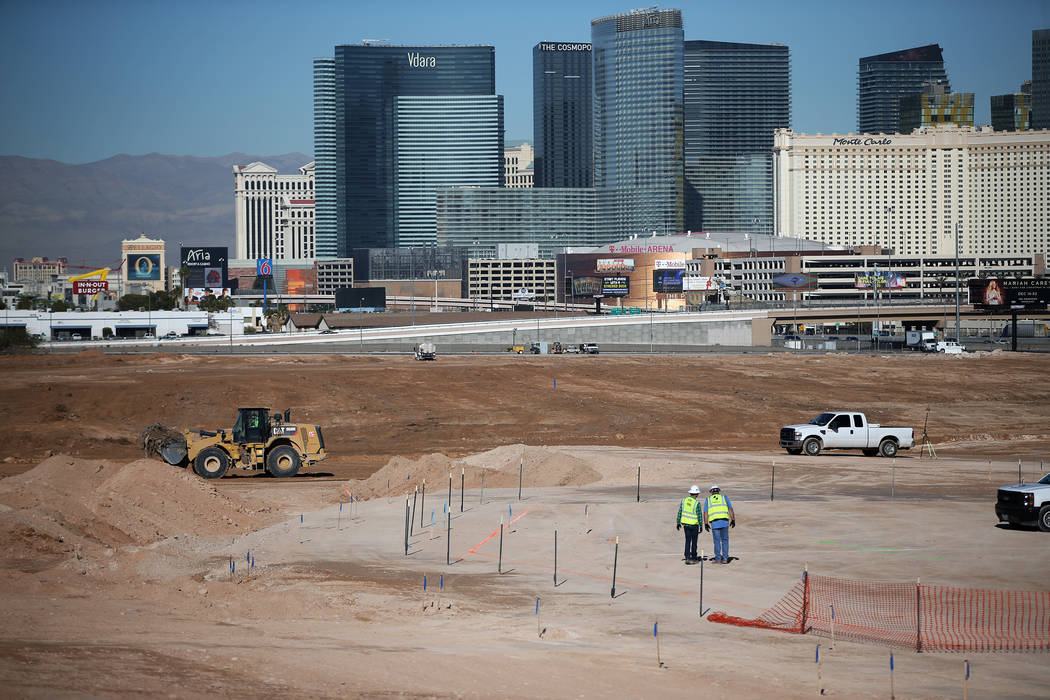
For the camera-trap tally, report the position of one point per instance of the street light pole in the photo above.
(958, 229)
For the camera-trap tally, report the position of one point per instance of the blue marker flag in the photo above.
(537, 606)
(585, 507)
(341, 505)
(967, 670)
(424, 582)
(248, 556)
(300, 518)
(253, 562)
(441, 582)
(654, 628)
(832, 612)
(816, 660)
(508, 513)
(891, 660)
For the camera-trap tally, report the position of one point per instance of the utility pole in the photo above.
(958, 230)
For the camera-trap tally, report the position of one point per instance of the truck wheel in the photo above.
(888, 448)
(870, 452)
(1044, 518)
(283, 460)
(794, 450)
(211, 463)
(811, 446)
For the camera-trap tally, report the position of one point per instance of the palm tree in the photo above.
(277, 317)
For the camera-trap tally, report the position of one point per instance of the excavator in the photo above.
(257, 441)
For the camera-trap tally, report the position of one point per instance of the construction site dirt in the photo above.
(125, 576)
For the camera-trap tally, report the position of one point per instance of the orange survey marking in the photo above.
(496, 531)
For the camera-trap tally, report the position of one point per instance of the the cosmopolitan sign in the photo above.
(862, 142)
(551, 46)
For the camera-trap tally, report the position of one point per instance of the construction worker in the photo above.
(718, 518)
(689, 518)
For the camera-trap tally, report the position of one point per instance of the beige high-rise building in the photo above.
(915, 192)
(274, 213)
(517, 166)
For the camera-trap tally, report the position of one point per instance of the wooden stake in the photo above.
(521, 470)
(412, 520)
(656, 633)
(555, 557)
(820, 673)
(616, 556)
(422, 502)
(701, 582)
(462, 484)
(832, 647)
(966, 678)
(892, 694)
(499, 564)
(638, 492)
(448, 542)
(482, 500)
(772, 479)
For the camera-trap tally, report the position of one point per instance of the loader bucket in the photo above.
(164, 442)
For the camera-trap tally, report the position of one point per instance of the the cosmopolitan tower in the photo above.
(638, 122)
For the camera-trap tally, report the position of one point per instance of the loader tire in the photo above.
(283, 461)
(211, 463)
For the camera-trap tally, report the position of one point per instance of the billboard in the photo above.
(90, 286)
(668, 280)
(193, 295)
(880, 280)
(795, 280)
(295, 281)
(616, 286)
(614, 265)
(143, 266)
(1010, 293)
(587, 286)
(360, 298)
(699, 284)
(207, 267)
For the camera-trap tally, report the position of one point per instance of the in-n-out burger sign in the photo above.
(551, 46)
(417, 60)
(861, 142)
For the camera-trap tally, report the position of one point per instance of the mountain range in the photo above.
(83, 212)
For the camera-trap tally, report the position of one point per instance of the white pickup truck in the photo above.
(1025, 504)
(845, 430)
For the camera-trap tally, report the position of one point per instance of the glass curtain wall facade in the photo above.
(368, 80)
(1011, 112)
(736, 96)
(325, 229)
(552, 218)
(638, 122)
(883, 79)
(1041, 78)
(443, 141)
(561, 114)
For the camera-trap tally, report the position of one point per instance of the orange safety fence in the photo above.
(922, 617)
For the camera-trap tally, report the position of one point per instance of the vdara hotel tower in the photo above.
(376, 142)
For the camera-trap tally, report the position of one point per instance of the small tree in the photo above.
(25, 302)
(59, 305)
(107, 332)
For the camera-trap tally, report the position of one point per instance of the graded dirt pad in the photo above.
(333, 607)
(373, 409)
(161, 595)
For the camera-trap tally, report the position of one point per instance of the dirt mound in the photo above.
(65, 503)
(541, 466)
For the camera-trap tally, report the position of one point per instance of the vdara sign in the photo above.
(417, 60)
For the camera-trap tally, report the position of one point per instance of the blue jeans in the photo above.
(721, 537)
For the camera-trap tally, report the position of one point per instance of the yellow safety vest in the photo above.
(717, 508)
(689, 516)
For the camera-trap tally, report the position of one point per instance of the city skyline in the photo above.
(88, 81)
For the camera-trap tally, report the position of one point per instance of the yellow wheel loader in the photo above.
(257, 441)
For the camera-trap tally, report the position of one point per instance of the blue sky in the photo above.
(84, 80)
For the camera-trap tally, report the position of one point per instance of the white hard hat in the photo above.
(694, 489)
(714, 487)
